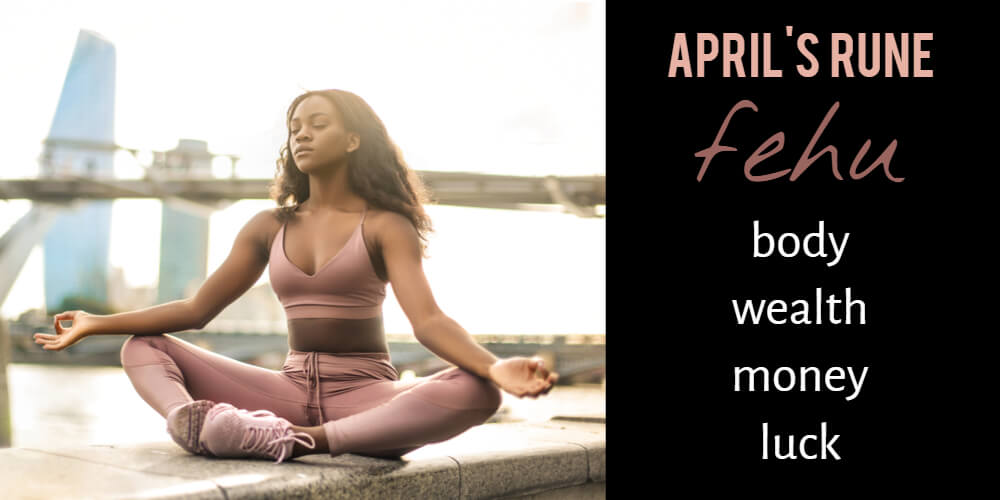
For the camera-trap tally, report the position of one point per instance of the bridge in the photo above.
(577, 195)
(53, 195)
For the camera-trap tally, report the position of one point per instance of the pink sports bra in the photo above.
(345, 287)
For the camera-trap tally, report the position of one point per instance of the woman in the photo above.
(356, 223)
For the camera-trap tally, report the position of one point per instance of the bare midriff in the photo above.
(337, 335)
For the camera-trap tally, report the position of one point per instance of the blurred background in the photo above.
(140, 137)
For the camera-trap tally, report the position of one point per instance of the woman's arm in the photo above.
(169, 317)
(241, 269)
(439, 333)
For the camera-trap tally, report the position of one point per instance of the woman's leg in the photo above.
(168, 372)
(392, 418)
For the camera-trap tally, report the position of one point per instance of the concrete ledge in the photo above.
(554, 459)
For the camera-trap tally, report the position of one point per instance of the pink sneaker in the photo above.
(184, 424)
(230, 432)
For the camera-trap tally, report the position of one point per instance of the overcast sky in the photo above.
(503, 87)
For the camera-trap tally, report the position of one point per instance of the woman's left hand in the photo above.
(523, 376)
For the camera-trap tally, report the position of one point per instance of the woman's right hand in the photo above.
(66, 337)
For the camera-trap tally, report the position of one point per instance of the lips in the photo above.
(302, 150)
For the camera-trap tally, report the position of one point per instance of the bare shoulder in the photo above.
(387, 226)
(265, 221)
(263, 227)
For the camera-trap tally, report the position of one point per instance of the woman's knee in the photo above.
(475, 392)
(138, 349)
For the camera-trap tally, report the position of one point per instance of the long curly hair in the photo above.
(375, 171)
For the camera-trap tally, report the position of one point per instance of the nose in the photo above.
(299, 135)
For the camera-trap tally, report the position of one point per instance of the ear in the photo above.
(353, 142)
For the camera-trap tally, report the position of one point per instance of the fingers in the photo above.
(540, 369)
(548, 383)
(49, 342)
(66, 315)
(538, 390)
(533, 389)
(50, 345)
(548, 387)
(58, 341)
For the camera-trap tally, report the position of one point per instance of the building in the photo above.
(184, 233)
(81, 143)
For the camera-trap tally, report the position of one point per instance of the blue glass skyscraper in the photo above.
(183, 233)
(80, 143)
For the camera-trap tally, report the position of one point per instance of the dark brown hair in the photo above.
(375, 171)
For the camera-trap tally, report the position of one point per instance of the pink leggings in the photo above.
(357, 397)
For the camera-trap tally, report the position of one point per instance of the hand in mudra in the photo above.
(523, 376)
(65, 337)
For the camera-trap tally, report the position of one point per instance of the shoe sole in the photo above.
(185, 427)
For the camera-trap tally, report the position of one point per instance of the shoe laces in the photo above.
(273, 440)
(269, 438)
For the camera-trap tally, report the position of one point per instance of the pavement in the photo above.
(563, 457)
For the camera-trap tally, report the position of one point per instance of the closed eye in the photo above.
(295, 131)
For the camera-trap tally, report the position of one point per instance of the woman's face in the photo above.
(316, 135)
